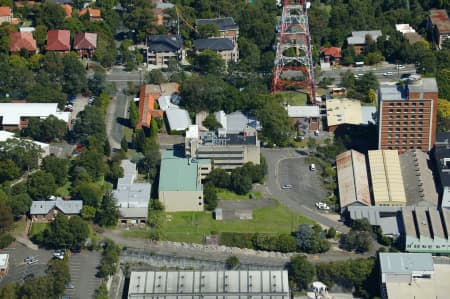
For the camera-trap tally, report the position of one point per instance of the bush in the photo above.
(232, 262)
(259, 241)
(5, 240)
(331, 233)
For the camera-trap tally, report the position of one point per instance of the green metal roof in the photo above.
(179, 173)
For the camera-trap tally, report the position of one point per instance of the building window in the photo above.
(399, 110)
(391, 110)
(413, 110)
(421, 110)
(398, 117)
(397, 129)
(405, 116)
(397, 123)
(421, 104)
(420, 116)
(399, 104)
(391, 104)
(413, 104)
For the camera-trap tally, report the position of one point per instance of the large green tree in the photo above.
(301, 272)
(46, 130)
(41, 185)
(58, 167)
(75, 80)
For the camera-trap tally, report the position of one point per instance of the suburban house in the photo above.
(4, 264)
(58, 40)
(438, 26)
(305, 117)
(227, 27)
(409, 33)
(147, 96)
(85, 44)
(14, 116)
(46, 210)
(132, 198)
(180, 185)
(68, 9)
(5, 14)
(225, 47)
(22, 40)
(331, 55)
(93, 13)
(45, 147)
(161, 48)
(359, 38)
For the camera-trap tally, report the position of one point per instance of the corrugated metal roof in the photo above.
(303, 111)
(178, 119)
(12, 112)
(41, 207)
(352, 178)
(399, 262)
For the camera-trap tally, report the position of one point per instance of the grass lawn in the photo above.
(63, 190)
(227, 194)
(294, 98)
(19, 227)
(36, 228)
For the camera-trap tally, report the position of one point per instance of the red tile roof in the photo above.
(68, 9)
(58, 40)
(5, 11)
(22, 40)
(332, 51)
(85, 41)
(147, 106)
(92, 12)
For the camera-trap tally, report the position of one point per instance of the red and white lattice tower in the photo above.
(293, 62)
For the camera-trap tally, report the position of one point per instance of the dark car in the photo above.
(28, 276)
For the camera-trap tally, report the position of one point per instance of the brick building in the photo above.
(407, 115)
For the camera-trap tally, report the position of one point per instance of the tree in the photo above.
(46, 130)
(90, 193)
(124, 144)
(239, 182)
(309, 239)
(74, 78)
(152, 158)
(232, 262)
(24, 153)
(301, 272)
(20, 204)
(97, 83)
(8, 292)
(41, 35)
(6, 217)
(155, 77)
(108, 212)
(41, 185)
(59, 275)
(50, 15)
(58, 167)
(219, 178)
(134, 115)
(102, 292)
(110, 258)
(210, 196)
(443, 78)
(208, 30)
(8, 170)
(209, 62)
(140, 19)
(331, 233)
(88, 212)
(211, 122)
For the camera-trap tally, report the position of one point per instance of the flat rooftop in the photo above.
(403, 263)
(12, 112)
(439, 18)
(343, 111)
(213, 139)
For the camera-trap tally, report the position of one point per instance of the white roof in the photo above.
(178, 119)
(12, 112)
(192, 132)
(27, 29)
(165, 103)
(5, 135)
(303, 111)
(129, 194)
(4, 258)
(221, 117)
(404, 28)
(359, 37)
(343, 111)
(236, 121)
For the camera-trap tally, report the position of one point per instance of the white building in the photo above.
(45, 147)
(4, 264)
(178, 119)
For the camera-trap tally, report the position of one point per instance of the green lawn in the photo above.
(36, 228)
(294, 98)
(19, 227)
(227, 194)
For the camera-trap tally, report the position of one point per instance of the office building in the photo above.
(438, 26)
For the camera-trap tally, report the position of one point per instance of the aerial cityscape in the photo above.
(224, 149)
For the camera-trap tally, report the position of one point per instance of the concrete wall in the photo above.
(178, 201)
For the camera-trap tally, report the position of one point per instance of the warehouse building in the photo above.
(352, 179)
(386, 177)
(262, 284)
(348, 112)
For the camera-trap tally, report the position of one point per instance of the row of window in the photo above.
(406, 136)
(405, 129)
(405, 104)
(405, 148)
(405, 117)
(405, 123)
(406, 110)
(428, 246)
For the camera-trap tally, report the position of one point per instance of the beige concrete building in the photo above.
(225, 47)
(180, 182)
(162, 48)
(226, 151)
(346, 111)
(386, 176)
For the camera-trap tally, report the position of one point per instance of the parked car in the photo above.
(312, 167)
(388, 74)
(32, 260)
(322, 206)
(287, 186)
(70, 286)
(400, 67)
(28, 276)
(58, 254)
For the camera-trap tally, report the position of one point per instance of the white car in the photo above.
(287, 186)
(400, 67)
(312, 167)
(322, 206)
(388, 74)
(59, 254)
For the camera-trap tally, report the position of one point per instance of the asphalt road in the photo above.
(83, 268)
(288, 166)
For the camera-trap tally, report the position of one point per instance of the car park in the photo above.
(286, 186)
(322, 206)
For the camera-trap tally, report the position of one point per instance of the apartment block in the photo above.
(407, 115)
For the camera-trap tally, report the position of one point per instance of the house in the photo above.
(438, 26)
(147, 96)
(4, 264)
(45, 147)
(93, 13)
(68, 9)
(132, 197)
(22, 40)
(307, 117)
(227, 27)
(409, 33)
(359, 39)
(5, 14)
(15, 116)
(85, 44)
(225, 47)
(46, 210)
(58, 40)
(180, 186)
(162, 48)
(331, 55)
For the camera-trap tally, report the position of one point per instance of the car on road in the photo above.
(322, 206)
(70, 286)
(388, 74)
(31, 260)
(312, 167)
(400, 67)
(287, 186)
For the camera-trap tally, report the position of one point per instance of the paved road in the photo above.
(83, 268)
(306, 191)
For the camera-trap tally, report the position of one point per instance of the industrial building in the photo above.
(388, 218)
(442, 162)
(386, 178)
(263, 284)
(180, 182)
(345, 111)
(225, 150)
(352, 179)
(412, 276)
(407, 115)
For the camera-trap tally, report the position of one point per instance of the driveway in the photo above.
(288, 166)
(83, 268)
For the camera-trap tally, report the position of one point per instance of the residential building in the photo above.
(132, 197)
(412, 275)
(68, 9)
(438, 26)
(147, 96)
(353, 182)
(4, 264)
(442, 163)
(93, 13)
(426, 230)
(308, 116)
(58, 40)
(227, 27)
(5, 14)
(225, 47)
(180, 182)
(407, 115)
(85, 44)
(162, 48)
(236, 122)
(45, 147)
(15, 116)
(331, 55)
(22, 40)
(344, 112)
(159, 12)
(386, 178)
(409, 33)
(257, 284)
(225, 150)
(46, 210)
(359, 39)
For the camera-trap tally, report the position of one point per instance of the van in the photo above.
(312, 167)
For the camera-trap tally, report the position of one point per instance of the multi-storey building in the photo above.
(226, 27)
(407, 115)
(438, 26)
